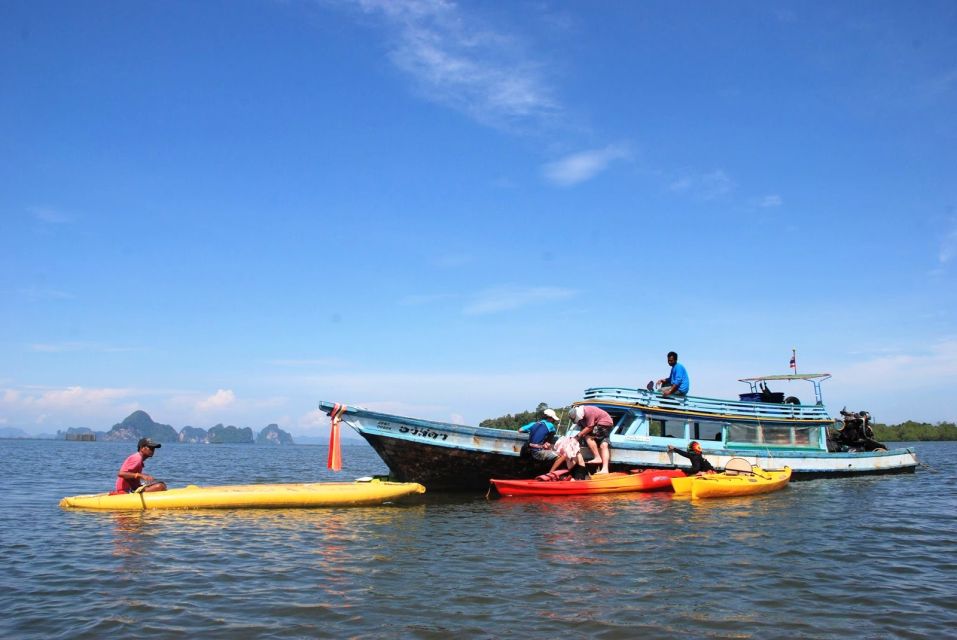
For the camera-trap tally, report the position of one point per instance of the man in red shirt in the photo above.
(595, 427)
(130, 476)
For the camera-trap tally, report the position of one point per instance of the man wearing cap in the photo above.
(539, 433)
(595, 425)
(130, 476)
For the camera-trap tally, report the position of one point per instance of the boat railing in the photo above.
(710, 406)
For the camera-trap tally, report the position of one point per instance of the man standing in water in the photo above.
(677, 383)
(130, 476)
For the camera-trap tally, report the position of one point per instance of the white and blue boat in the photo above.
(767, 429)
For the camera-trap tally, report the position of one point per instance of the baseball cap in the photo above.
(148, 442)
(550, 413)
(576, 414)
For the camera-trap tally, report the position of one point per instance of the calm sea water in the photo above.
(858, 557)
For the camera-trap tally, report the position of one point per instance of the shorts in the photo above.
(600, 434)
(544, 455)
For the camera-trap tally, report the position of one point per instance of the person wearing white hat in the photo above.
(539, 435)
(595, 426)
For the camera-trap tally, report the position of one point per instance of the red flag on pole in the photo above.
(794, 363)
(335, 449)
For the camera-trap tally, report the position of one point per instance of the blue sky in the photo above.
(227, 211)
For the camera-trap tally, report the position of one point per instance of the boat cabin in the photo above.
(647, 417)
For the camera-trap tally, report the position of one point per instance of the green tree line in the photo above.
(911, 430)
(513, 422)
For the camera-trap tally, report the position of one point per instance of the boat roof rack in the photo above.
(788, 376)
(814, 378)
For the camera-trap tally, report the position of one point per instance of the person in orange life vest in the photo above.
(596, 426)
(130, 477)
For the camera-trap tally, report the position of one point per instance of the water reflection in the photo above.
(127, 533)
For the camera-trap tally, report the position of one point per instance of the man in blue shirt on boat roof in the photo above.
(677, 383)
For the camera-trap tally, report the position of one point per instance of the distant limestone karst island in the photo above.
(139, 424)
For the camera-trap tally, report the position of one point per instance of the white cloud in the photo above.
(706, 186)
(50, 216)
(66, 405)
(894, 372)
(770, 201)
(64, 347)
(307, 362)
(941, 85)
(35, 294)
(315, 418)
(509, 298)
(453, 260)
(76, 397)
(416, 300)
(583, 166)
(463, 64)
(455, 396)
(222, 398)
(948, 245)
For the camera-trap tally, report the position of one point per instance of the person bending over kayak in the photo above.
(699, 464)
(596, 426)
(130, 477)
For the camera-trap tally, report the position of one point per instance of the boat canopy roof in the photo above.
(788, 376)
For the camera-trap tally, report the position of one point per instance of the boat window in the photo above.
(784, 436)
(707, 431)
(807, 436)
(667, 428)
(624, 423)
(621, 417)
(778, 435)
(746, 433)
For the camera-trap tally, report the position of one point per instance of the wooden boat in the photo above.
(769, 434)
(738, 479)
(648, 480)
(252, 496)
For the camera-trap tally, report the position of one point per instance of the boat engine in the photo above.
(856, 434)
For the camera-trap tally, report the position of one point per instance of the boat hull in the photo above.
(445, 456)
(252, 496)
(649, 480)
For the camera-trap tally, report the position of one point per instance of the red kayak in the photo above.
(648, 480)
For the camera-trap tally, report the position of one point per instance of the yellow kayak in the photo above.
(740, 478)
(682, 485)
(252, 496)
(738, 483)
